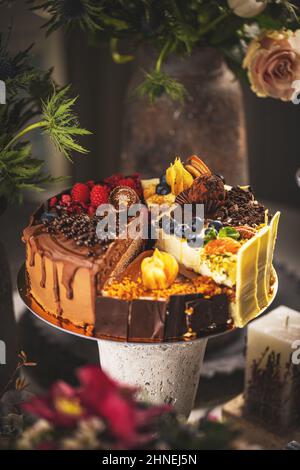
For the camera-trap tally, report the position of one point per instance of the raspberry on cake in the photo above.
(99, 195)
(80, 192)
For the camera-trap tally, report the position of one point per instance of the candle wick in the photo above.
(287, 322)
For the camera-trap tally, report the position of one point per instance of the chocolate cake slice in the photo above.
(67, 265)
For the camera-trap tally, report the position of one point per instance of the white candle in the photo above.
(272, 389)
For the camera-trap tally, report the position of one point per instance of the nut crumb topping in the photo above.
(129, 289)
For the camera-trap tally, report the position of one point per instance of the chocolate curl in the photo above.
(208, 190)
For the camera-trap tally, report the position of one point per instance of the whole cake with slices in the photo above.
(186, 255)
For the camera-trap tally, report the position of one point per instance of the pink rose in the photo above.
(273, 64)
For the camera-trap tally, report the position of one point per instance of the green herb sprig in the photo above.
(58, 122)
(33, 103)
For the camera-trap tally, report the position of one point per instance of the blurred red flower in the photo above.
(128, 422)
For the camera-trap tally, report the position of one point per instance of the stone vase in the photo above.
(210, 123)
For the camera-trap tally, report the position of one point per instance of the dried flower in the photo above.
(40, 431)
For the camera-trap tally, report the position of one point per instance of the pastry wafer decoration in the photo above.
(196, 167)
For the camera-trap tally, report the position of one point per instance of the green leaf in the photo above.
(61, 124)
(230, 232)
(210, 234)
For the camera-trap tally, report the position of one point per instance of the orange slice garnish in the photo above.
(221, 246)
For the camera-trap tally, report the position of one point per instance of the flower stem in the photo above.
(18, 367)
(23, 132)
(214, 23)
(162, 55)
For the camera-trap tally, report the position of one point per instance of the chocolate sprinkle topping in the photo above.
(240, 208)
(80, 228)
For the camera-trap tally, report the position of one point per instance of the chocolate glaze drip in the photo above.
(59, 249)
(43, 279)
(56, 289)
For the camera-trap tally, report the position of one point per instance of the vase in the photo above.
(210, 123)
(8, 329)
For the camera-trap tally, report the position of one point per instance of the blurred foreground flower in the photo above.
(101, 414)
(97, 412)
(273, 64)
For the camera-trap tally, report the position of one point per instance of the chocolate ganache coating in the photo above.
(178, 318)
(206, 189)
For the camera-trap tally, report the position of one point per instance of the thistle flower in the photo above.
(82, 13)
(158, 83)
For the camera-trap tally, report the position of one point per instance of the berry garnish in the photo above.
(91, 211)
(66, 199)
(197, 224)
(113, 180)
(195, 240)
(48, 217)
(217, 224)
(90, 183)
(168, 225)
(80, 193)
(130, 182)
(182, 230)
(99, 195)
(53, 201)
(163, 189)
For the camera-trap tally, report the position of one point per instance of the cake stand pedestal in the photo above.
(164, 372)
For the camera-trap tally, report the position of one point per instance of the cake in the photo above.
(161, 281)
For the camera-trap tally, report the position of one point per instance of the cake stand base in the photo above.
(165, 373)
